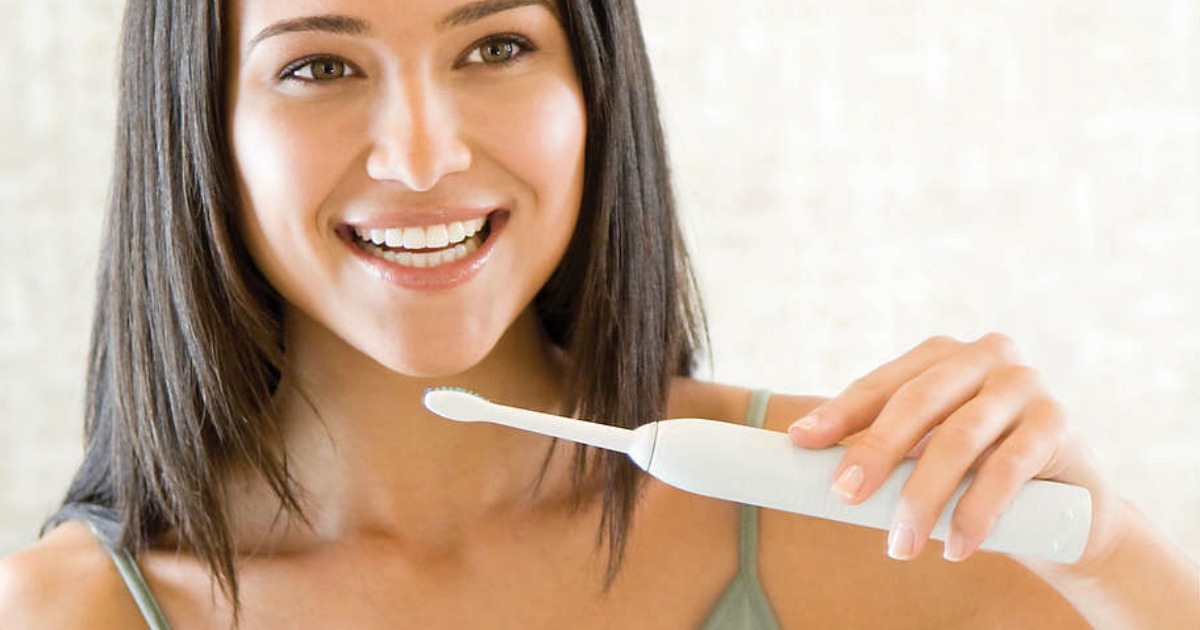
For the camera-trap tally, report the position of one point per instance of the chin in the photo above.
(430, 370)
(425, 363)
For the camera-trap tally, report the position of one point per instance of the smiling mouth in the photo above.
(425, 246)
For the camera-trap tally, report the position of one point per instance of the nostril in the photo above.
(418, 159)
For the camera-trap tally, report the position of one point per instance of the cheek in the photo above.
(287, 164)
(289, 156)
(560, 143)
(540, 138)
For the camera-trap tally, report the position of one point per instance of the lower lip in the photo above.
(440, 278)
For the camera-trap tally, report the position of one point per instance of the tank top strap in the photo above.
(743, 605)
(748, 547)
(134, 581)
(756, 411)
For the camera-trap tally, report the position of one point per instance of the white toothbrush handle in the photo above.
(735, 462)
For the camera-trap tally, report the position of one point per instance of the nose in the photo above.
(416, 139)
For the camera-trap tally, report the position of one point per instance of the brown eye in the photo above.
(319, 69)
(326, 69)
(497, 51)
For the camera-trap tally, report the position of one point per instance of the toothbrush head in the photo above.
(457, 403)
(454, 403)
(462, 390)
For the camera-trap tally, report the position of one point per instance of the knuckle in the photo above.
(868, 385)
(1050, 409)
(1007, 465)
(914, 395)
(940, 344)
(1058, 459)
(1000, 345)
(1049, 419)
(957, 438)
(873, 446)
(1016, 376)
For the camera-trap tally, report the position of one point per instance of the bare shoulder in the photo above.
(65, 580)
(820, 573)
(693, 398)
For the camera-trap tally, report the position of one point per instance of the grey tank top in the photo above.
(743, 605)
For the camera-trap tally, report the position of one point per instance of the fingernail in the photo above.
(807, 423)
(954, 547)
(900, 542)
(848, 484)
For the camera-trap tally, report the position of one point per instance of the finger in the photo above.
(918, 449)
(953, 448)
(908, 416)
(859, 404)
(1034, 449)
(1000, 346)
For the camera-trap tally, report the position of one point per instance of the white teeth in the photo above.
(428, 237)
(414, 238)
(456, 232)
(454, 241)
(472, 226)
(394, 237)
(437, 236)
(423, 260)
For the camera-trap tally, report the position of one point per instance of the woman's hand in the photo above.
(957, 407)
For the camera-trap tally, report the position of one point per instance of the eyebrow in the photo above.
(346, 25)
(337, 24)
(476, 11)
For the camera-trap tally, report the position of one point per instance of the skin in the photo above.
(416, 123)
(417, 522)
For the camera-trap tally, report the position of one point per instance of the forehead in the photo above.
(250, 20)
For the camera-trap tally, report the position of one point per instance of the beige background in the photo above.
(855, 176)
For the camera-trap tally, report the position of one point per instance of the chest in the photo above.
(681, 554)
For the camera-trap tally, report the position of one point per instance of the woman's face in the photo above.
(410, 171)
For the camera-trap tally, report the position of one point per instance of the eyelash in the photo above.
(522, 47)
(289, 73)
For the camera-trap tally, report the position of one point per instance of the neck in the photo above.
(371, 461)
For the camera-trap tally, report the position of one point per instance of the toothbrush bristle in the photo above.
(461, 390)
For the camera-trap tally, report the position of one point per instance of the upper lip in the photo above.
(419, 218)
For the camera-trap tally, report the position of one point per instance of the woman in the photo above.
(321, 209)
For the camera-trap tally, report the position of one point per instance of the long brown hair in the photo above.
(186, 348)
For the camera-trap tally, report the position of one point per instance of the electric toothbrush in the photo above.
(735, 462)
